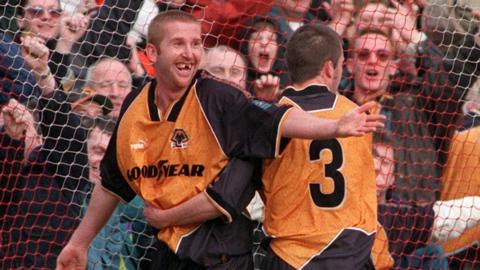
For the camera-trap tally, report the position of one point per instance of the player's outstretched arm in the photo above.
(196, 210)
(101, 207)
(356, 122)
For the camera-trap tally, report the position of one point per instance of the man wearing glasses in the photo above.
(413, 109)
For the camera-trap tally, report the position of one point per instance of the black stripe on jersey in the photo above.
(351, 249)
(172, 116)
(312, 98)
(152, 107)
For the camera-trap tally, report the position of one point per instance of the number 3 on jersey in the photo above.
(332, 173)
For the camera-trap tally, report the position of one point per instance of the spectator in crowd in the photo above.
(172, 102)
(124, 240)
(90, 104)
(50, 189)
(416, 115)
(110, 78)
(227, 64)
(42, 22)
(15, 146)
(264, 47)
(399, 21)
(404, 239)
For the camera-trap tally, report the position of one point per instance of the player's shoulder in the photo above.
(345, 103)
(132, 95)
(214, 88)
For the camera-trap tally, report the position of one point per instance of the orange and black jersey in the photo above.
(460, 179)
(320, 199)
(168, 159)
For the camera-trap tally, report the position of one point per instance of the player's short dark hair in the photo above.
(309, 48)
(155, 29)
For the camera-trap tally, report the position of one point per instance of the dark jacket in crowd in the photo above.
(49, 191)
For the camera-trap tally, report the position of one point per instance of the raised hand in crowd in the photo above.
(72, 28)
(267, 87)
(17, 119)
(19, 124)
(36, 55)
(403, 18)
(341, 14)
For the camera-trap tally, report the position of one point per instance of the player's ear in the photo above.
(329, 69)
(151, 52)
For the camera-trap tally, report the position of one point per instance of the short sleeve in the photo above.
(244, 127)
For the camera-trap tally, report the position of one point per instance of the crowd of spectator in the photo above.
(67, 65)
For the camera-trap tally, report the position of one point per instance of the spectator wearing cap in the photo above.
(89, 103)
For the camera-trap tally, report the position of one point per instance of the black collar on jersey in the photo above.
(313, 97)
(314, 89)
(172, 116)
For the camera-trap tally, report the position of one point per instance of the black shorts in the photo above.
(162, 258)
(273, 262)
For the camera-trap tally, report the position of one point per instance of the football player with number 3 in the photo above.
(320, 199)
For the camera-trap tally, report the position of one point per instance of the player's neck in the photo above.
(315, 81)
(165, 96)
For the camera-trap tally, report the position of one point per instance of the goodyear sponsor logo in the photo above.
(164, 169)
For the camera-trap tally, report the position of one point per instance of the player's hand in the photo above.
(267, 88)
(357, 122)
(154, 217)
(72, 257)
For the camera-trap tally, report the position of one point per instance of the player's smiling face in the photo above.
(179, 54)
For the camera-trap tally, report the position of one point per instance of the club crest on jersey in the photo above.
(179, 139)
